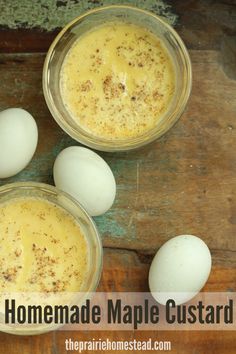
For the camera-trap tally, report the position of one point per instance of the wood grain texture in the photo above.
(183, 183)
(204, 23)
(201, 23)
(182, 342)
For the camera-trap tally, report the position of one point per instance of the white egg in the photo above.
(179, 269)
(87, 177)
(18, 140)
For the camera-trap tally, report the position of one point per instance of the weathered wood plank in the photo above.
(25, 41)
(128, 271)
(190, 343)
(183, 183)
(192, 19)
(204, 23)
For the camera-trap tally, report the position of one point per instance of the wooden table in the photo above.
(183, 183)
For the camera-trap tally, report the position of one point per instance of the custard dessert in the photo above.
(117, 81)
(42, 248)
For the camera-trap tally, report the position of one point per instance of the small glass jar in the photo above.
(89, 230)
(92, 19)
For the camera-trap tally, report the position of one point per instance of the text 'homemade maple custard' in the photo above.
(117, 80)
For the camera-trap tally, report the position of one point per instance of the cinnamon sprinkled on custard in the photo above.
(117, 81)
(42, 248)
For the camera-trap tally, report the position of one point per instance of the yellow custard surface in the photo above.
(117, 81)
(42, 248)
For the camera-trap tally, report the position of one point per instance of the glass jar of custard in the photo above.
(50, 250)
(117, 78)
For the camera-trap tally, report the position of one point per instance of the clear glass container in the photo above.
(88, 228)
(94, 18)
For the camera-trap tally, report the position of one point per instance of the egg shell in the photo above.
(179, 269)
(87, 177)
(18, 140)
